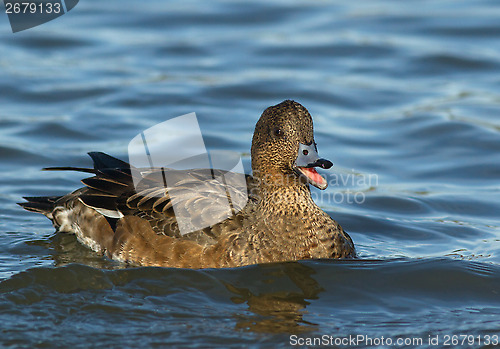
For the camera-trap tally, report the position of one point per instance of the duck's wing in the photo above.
(188, 200)
(175, 203)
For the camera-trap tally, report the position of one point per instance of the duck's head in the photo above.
(283, 146)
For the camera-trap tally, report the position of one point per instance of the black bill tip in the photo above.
(323, 163)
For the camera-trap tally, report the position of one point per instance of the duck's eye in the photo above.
(278, 132)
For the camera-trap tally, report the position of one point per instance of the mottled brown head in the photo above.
(283, 144)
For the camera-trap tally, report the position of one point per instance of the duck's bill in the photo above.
(313, 177)
(307, 160)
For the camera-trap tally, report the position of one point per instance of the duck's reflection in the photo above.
(65, 249)
(278, 303)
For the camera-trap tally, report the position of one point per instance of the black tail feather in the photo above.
(102, 163)
(105, 161)
(40, 204)
(105, 184)
(112, 178)
(66, 168)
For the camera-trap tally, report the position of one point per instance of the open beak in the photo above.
(307, 160)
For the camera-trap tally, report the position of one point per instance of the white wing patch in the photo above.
(105, 212)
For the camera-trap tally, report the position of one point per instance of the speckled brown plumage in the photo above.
(280, 221)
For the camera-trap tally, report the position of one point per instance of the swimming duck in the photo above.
(279, 222)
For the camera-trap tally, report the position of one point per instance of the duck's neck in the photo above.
(293, 200)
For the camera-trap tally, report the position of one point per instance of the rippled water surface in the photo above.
(405, 96)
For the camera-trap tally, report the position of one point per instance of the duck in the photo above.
(279, 221)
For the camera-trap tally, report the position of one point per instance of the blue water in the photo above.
(405, 97)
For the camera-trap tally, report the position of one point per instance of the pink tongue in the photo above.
(314, 176)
